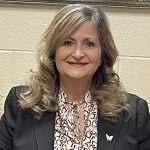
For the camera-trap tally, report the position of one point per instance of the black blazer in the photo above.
(20, 131)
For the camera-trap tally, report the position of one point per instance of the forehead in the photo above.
(88, 29)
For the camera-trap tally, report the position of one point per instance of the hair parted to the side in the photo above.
(43, 84)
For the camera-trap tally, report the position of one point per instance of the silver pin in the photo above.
(109, 137)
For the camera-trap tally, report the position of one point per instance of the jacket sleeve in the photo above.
(143, 125)
(7, 122)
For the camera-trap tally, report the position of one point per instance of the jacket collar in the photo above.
(44, 132)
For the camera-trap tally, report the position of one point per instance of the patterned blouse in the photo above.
(67, 128)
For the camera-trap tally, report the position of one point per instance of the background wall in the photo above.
(22, 25)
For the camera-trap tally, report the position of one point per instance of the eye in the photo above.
(90, 44)
(68, 43)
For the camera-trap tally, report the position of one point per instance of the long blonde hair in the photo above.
(43, 85)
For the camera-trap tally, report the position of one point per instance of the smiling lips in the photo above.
(77, 64)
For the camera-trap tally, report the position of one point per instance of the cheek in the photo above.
(58, 56)
(61, 54)
(97, 59)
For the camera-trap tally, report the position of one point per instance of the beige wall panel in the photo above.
(6, 65)
(131, 30)
(23, 62)
(2, 99)
(135, 75)
(21, 27)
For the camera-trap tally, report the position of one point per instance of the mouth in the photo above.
(77, 64)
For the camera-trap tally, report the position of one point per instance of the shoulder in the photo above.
(139, 108)
(16, 91)
(12, 98)
(141, 116)
(9, 118)
(137, 103)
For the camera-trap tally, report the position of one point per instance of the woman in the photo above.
(75, 100)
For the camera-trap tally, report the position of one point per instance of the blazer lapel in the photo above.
(108, 133)
(44, 131)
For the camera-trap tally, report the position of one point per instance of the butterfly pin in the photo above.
(109, 137)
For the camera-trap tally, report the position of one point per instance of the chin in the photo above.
(78, 76)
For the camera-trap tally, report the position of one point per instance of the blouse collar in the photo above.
(63, 96)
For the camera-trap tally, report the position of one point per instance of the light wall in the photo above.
(21, 27)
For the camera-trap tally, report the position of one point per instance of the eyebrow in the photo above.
(84, 39)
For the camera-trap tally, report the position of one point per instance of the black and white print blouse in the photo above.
(66, 130)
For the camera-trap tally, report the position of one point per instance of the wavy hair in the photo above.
(43, 84)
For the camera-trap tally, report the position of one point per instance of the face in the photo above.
(79, 55)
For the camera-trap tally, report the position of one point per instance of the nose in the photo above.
(78, 53)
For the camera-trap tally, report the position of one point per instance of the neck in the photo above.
(75, 88)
